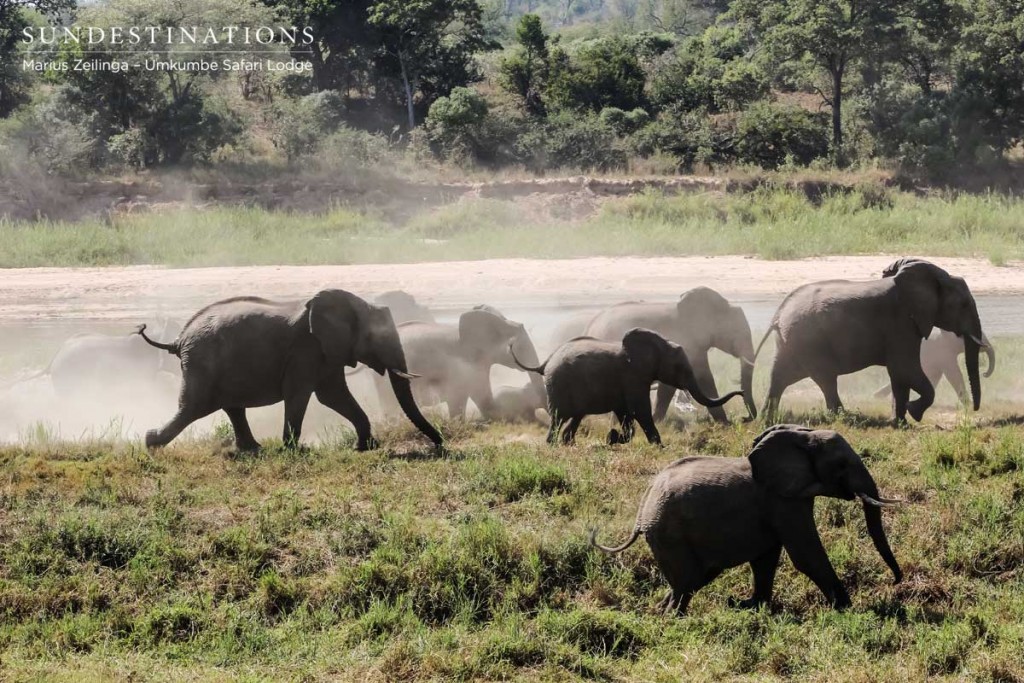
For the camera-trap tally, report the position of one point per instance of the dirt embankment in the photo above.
(397, 199)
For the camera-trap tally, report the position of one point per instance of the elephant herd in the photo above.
(701, 515)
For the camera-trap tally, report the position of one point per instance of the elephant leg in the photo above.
(639, 406)
(556, 425)
(244, 440)
(783, 375)
(706, 383)
(337, 397)
(569, 435)
(956, 379)
(764, 568)
(457, 402)
(683, 571)
(918, 381)
(294, 413)
(795, 527)
(192, 406)
(663, 399)
(829, 386)
(615, 436)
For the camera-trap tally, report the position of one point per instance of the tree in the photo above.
(13, 19)
(831, 35)
(605, 72)
(432, 43)
(525, 70)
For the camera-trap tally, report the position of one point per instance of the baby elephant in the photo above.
(701, 516)
(586, 376)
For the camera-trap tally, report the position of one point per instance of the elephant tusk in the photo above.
(977, 341)
(879, 503)
(405, 375)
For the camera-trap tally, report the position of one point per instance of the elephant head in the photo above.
(350, 331)
(404, 308)
(489, 335)
(652, 356)
(934, 298)
(791, 461)
(729, 332)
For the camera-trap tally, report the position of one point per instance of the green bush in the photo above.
(770, 135)
(689, 137)
(569, 140)
(298, 126)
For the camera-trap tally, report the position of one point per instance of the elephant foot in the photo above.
(746, 603)
(153, 439)
(247, 446)
(367, 444)
(916, 410)
(615, 437)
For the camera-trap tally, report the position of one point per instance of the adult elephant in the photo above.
(404, 307)
(831, 328)
(701, 516)
(701, 320)
(940, 357)
(454, 361)
(248, 352)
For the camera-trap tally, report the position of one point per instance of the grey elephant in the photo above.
(247, 352)
(703, 515)
(454, 361)
(831, 328)
(701, 320)
(404, 307)
(588, 376)
(940, 358)
(517, 404)
(90, 361)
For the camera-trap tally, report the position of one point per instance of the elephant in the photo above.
(587, 376)
(703, 515)
(517, 404)
(247, 352)
(454, 361)
(702, 319)
(835, 327)
(940, 358)
(88, 361)
(403, 306)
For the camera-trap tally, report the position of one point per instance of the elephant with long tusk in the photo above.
(247, 352)
(701, 516)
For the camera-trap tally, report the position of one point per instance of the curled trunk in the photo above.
(403, 392)
(707, 401)
(990, 352)
(971, 353)
(873, 518)
(747, 384)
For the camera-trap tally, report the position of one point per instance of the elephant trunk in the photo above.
(403, 392)
(873, 517)
(527, 355)
(990, 352)
(707, 401)
(971, 353)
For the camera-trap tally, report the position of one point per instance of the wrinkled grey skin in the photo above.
(701, 320)
(90, 361)
(701, 516)
(940, 358)
(831, 328)
(454, 361)
(404, 307)
(587, 376)
(248, 352)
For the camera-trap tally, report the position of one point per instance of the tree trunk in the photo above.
(408, 91)
(837, 114)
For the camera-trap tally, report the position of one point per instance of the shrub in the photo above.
(571, 141)
(297, 126)
(770, 135)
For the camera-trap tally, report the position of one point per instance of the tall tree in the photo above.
(832, 35)
(14, 19)
(524, 71)
(433, 44)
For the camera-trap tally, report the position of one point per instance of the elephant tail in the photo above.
(172, 348)
(617, 549)
(774, 328)
(539, 369)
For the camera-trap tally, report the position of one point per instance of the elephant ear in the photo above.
(485, 333)
(644, 349)
(335, 320)
(895, 266)
(783, 461)
(919, 289)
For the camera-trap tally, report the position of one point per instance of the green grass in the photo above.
(327, 564)
(771, 223)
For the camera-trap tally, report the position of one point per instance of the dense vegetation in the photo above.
(926, 86)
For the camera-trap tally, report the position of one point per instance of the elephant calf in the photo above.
(940, 355)
(586, 376)
(701, 516)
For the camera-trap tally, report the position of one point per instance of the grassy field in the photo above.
(775, 224)
(402, 564)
